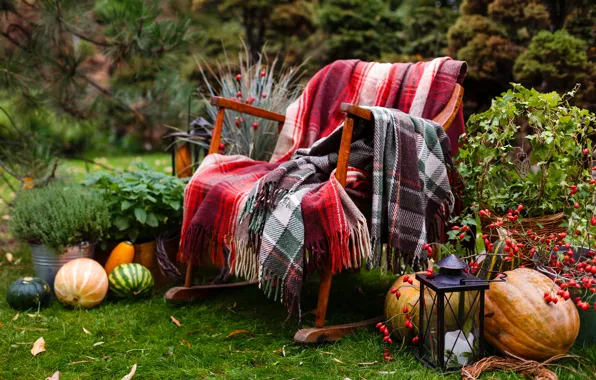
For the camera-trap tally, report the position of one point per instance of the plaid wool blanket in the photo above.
(299, 218)
(214, 225)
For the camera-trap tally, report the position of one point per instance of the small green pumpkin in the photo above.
(28, 293)
(495, 262)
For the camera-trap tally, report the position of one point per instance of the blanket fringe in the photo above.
(200, 240)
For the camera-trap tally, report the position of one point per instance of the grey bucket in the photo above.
(47, 263)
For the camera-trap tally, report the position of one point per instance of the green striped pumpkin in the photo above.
(131, 281)
(495, 263)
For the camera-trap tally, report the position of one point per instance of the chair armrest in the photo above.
(235, 105)
(445, 118)
(222, 104)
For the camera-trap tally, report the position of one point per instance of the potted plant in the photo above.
(60, 222)
(528, 148)
(142, 204)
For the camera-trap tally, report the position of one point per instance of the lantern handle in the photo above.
(501, 278)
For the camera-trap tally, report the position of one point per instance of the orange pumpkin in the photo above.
(124, 253)
(409, 295)
(518, 320)
(81, 283)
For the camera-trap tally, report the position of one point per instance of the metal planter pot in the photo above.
(47, 263)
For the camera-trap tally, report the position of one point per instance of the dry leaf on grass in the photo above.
(34, 315)
(38, 347)
(55, 376)
(175, 321)
(81, 362)
(97, 344)
(339, 361)
(31, 328)
(86, 331)
(1, 324)
(16, 316)
(131, 373)
(367, 363)
(185, 343)
(9, 257)
(237, 332)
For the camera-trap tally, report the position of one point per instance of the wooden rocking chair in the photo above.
(320, 333)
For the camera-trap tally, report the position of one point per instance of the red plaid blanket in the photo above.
(219, 188)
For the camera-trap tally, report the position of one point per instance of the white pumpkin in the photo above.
(81, 283)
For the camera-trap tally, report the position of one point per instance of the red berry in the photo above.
(593, 221)
(566, 295)
(255, 125)
(389, 341)
(237, 122)
(573, 189)
(461, 236)
(406, 278)
(263, 73)
(239, 94)
(554, 300)
(397, 294)
(585, 306)
(405, 310)
(415, 340)
(385, 338)
(264, 95)
(586, 151)
(394, 290)
(238, 76)
(379, 325)
(576, 205)
(221, 146)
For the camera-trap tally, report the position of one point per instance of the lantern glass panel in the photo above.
(455, 317)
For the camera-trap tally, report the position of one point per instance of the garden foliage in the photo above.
(142, 202)
(59, 216)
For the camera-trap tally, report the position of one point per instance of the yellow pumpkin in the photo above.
(519, 321)
(409, 295)
(81, 283)
(124, 253)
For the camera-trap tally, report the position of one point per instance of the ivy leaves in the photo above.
(527, 148)
(142, 202)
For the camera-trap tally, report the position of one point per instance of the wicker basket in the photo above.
(542, 225)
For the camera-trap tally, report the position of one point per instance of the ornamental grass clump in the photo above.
(59, 216)
(261, 84)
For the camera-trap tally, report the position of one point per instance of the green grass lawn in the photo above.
(122, 334)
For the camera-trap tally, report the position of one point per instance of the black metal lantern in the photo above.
(451, 325)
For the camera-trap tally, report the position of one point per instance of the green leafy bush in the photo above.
(528, 148)
(59, 216)
(142, 203)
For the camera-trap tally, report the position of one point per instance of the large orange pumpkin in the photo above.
(81, 283)
(519, 321)
(409, 295)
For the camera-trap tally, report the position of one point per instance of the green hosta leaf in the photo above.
(141, 215)
(175, 205)
(126, 205)
(121, 223)
(152, 220)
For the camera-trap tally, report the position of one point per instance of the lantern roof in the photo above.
(452, 262)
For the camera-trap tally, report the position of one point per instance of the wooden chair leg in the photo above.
(324, 289)
(189, 275)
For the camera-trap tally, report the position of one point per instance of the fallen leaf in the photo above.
(55, 376)
(34, 315)
(9, 257)
(38, 347)
(386, 373)
(237, 332)
(175, 321)
(15, 317)
(81, 362)
(31, 328)
(23, 343)
(131, 373)
(185, 343)
(367, 363)
(86, 331)
(17, 261)
(1, 324)
(326, 352)
(339, 361)
(97, 344)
